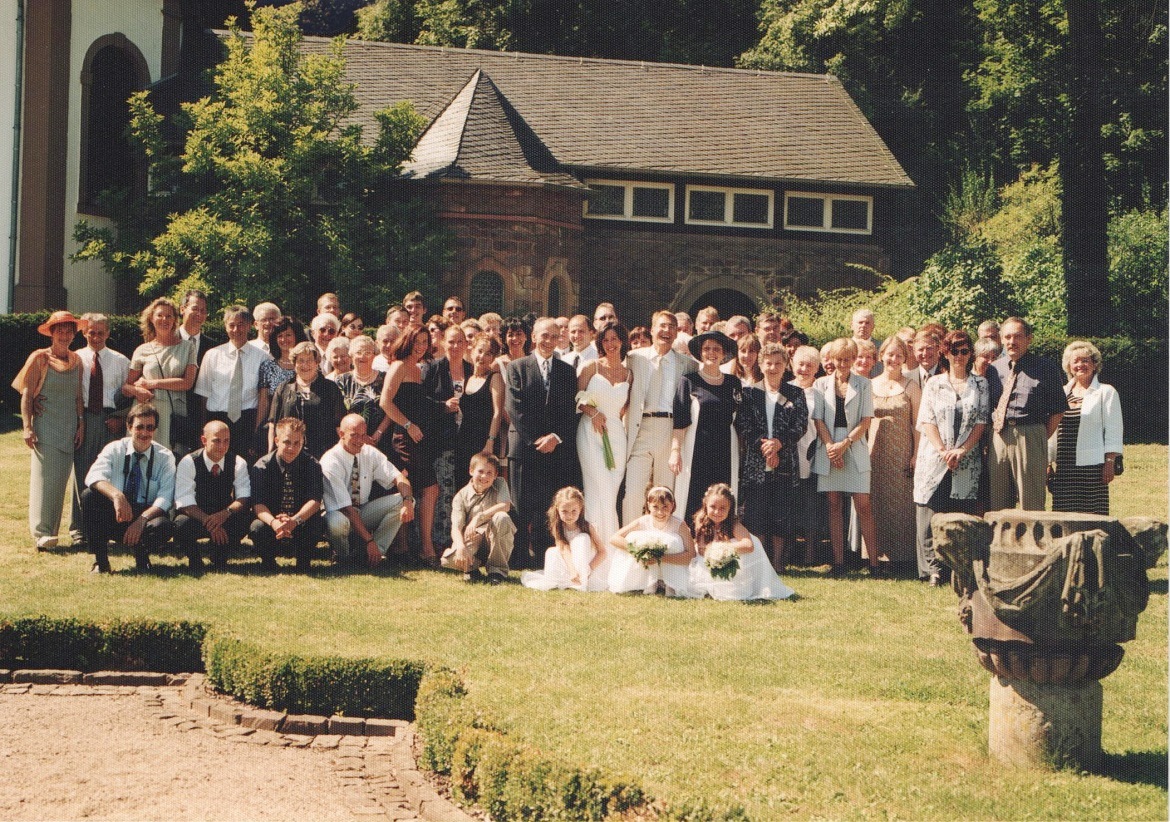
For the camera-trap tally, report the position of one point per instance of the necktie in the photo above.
(355, 484)
(999, 418)
(97, 389)
(288, 492)
(134, 481)
(215, 470)
(236, 391)
(544, 373)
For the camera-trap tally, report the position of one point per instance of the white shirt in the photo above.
(115, 369)
(185, 480)
(664, 402)
(112, 466)
(337, 467)
(215, 375)
(586, 355)
(259, 343)
(381, 364)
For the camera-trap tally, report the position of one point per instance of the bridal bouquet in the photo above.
(722, 560)
(587, 399)
(646, 549)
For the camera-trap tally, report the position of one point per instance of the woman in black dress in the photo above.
(412, 412)
(481, 406)
(706, 402)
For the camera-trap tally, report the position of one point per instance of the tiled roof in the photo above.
(479, 136)
(655, 118)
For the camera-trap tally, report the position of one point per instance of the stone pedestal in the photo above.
(1045, 726)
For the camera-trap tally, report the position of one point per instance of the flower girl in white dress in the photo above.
(577, 552)
(658, 525)
(717, 529)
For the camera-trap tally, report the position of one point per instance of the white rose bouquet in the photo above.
(646, 549)
(722, 560)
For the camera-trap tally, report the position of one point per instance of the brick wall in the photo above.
(642, 271)
(527, 235)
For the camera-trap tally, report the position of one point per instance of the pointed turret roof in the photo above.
(479, 135)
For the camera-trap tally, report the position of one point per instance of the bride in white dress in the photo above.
(660, 524)
(577, 558)
(604, 391)
(717, 522)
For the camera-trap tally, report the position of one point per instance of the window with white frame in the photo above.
(740, 207)
(843, 213)
(626, 200)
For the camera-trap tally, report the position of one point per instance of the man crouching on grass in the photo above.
(129, 489)
(353, 514)
(482, 532)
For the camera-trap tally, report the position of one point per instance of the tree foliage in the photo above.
(275, 193)
(683, 31)
(963, 285)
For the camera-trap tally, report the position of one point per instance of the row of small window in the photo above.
(739, 207)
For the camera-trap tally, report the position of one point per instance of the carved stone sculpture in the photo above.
(1047, 599)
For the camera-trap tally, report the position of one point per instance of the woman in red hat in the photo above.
(53, 412)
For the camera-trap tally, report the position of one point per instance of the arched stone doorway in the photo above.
(727, 301)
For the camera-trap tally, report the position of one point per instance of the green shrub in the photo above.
(312, 685)
(961, 286)
(828, 314)
(443, 714)
(45, 642)
(1138, 261)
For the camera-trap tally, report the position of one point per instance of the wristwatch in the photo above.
(297, 519)
(408, 499)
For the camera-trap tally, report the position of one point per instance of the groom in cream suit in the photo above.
(656, 372)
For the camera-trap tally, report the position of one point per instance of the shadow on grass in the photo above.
(1158, 586)
(1137, 768)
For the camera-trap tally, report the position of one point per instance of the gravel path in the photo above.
(106, 757)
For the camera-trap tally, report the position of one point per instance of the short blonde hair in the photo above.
(1081, 347)
(840, 347)
(891, 342)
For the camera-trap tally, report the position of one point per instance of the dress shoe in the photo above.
(495, 579)
(100, 568)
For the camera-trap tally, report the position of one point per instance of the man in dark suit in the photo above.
(541, 404)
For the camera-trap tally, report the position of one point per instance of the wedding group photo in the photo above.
(722, 411)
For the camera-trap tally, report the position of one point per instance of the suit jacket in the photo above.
(788, 425)
(639, 361)
(534, 412)
(858, 404)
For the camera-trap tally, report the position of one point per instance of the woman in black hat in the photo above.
(703, 449)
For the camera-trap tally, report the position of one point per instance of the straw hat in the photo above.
(58, 317)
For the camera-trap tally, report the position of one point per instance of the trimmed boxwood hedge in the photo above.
(487, 768)
(509, 779)
(135, 645)
(322, 685)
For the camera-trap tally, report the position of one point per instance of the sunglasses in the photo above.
(143, 427)
(962, 352)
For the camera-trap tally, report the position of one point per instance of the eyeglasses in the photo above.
(961, 352)
(143, 427)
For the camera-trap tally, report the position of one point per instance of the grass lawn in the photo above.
(862, 699)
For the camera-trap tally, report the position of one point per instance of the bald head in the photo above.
(216, 439)
(352, 433)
